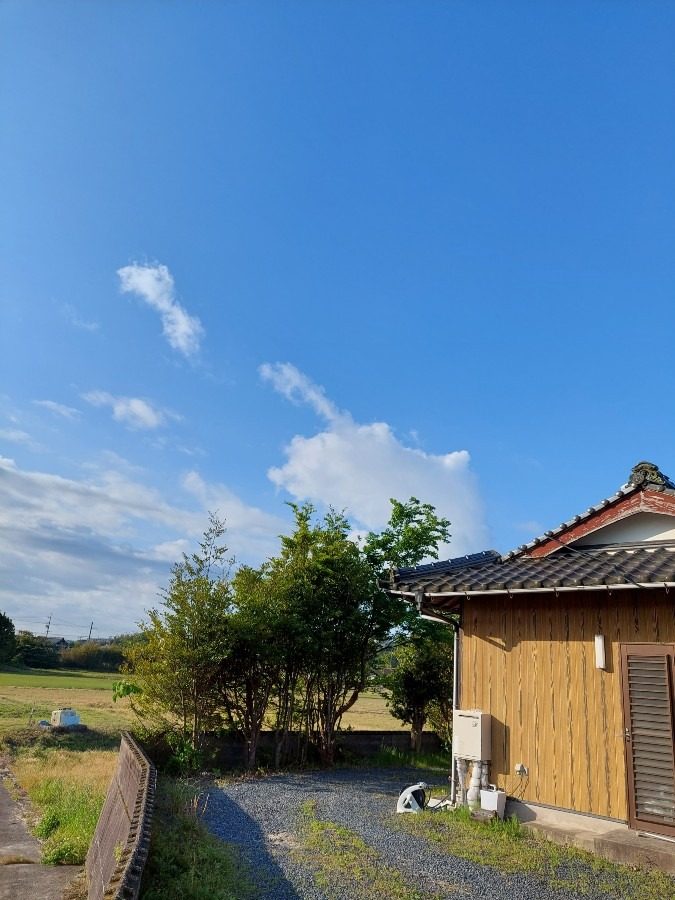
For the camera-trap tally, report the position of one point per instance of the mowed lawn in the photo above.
(90, 695)
(39, 692)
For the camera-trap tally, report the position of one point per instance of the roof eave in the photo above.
(541, 590)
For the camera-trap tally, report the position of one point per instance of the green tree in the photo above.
(290, 644)
(413, 534)
(93, 656)
(419, 682)
(7, 639)
(421, 678)
(328, 618)
(333, 616)
(176, 667)
(248, 670)
(35, 651)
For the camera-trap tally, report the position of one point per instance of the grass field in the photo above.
(66, 777)
(90, 695)
(370, 713)
(41, 691)
(57, 679)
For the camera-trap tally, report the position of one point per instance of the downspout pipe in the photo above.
(455, 698)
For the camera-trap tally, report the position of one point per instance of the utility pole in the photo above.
(90, 627)
(48, 624)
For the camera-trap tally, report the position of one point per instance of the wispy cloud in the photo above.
(73, 317)
(68, 412)
(297, 387)
(155, 286)
(359, 467)
(133, 412)
(16, 436)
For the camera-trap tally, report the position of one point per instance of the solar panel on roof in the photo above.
(450, 565)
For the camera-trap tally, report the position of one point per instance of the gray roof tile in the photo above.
(566, 568)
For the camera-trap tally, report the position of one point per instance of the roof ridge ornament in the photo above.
(645, 473)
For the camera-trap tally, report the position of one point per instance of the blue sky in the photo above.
(257, 252)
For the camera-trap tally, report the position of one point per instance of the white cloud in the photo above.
(72, 315)
(58, 408)
(251, 530)
(101, 546)
(132, 411)
(295, 386)
(15, 435)
(359, 467)
(171, 551)
(155, 286)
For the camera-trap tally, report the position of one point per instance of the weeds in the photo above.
(390, 757)
(509, 847)
(68, 788)
(185, 860)
(342, 861)
(38, 742)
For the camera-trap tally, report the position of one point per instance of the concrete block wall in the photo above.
(228, 753)
(120, 844)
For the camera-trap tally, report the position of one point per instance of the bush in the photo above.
(93, 657)
(35, 651)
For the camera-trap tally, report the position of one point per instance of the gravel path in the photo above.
(261, 817)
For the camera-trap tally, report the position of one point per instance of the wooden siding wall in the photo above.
(529, 660)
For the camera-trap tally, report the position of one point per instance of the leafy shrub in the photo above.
(35, 651)
(93, 657)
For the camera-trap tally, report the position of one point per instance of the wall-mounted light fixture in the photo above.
(600, 651)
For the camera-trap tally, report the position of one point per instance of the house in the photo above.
(58, 642)
(568, 643)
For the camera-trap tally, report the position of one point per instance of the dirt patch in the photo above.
(284, 839)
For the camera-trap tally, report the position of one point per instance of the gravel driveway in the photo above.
(261, 817)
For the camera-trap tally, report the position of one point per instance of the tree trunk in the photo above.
(418, 720)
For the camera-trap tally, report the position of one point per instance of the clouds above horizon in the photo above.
(101, 546)
(359, 467)
(155, 286)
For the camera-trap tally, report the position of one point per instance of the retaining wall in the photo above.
(120, 844)
(228, 753)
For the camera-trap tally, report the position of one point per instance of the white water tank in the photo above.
(64, 717)
(471, 735)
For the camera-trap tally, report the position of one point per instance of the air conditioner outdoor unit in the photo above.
(471, 735)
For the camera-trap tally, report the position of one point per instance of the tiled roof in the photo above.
(643, 476)
(567, 568)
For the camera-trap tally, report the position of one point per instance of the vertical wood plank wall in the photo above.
(529, 660)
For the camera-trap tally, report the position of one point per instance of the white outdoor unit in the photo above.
(471, 735)
(64, 717)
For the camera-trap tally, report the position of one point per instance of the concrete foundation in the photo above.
(608, 838)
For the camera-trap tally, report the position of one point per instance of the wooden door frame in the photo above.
(652, 648)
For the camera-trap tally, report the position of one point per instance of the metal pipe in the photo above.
(455, 694)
